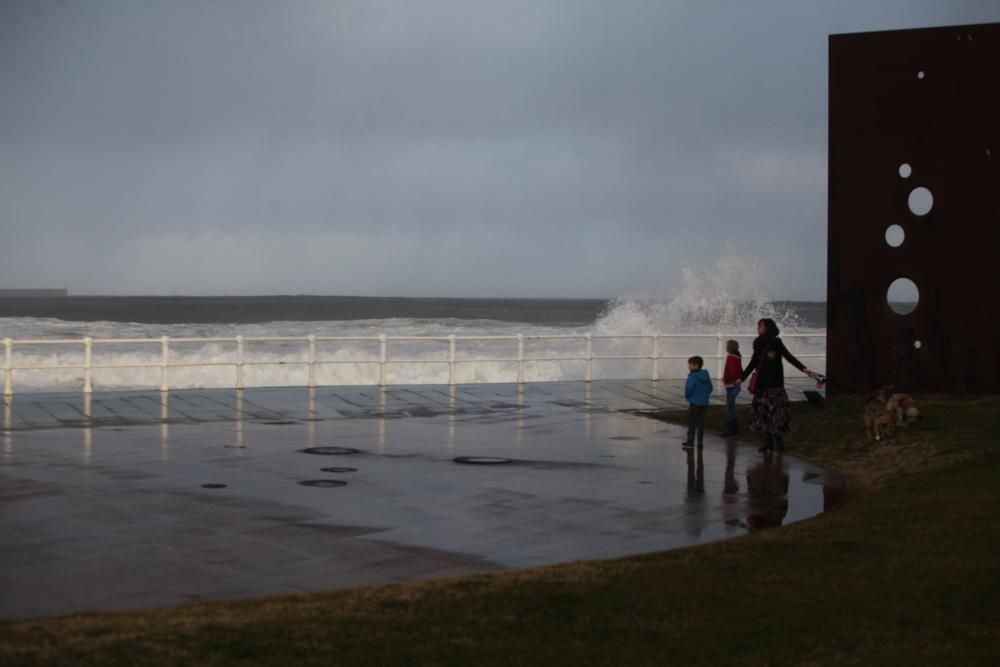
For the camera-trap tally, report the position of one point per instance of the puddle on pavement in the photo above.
(330, 451)
(323, 483)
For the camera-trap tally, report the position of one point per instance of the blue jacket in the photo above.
(698, 387)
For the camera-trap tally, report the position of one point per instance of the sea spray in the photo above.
(725, 297)
(729, 296)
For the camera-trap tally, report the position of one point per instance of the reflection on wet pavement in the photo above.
(130, 500)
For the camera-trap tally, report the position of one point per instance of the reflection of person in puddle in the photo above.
(767, 489)
(730, 489)
(694, 513)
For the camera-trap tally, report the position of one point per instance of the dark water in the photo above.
(249, 309)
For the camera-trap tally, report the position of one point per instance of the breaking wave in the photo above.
(727, 298)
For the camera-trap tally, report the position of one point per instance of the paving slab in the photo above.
(133, 500)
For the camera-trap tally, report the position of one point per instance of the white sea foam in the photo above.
(726, 298)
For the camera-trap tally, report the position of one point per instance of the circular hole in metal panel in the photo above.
(481, 460)
(902, 296)
(905, 170)
(921, 201)
(330, 451)
(323, 483)
(894, 235)
(339, 469)
(213, 486)
(917, 344)
(920, 74)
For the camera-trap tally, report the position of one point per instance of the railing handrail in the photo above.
(382, 360)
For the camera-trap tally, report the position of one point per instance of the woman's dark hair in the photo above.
(770, 327)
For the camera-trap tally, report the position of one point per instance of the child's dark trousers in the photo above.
(696, 424)
(732, 426)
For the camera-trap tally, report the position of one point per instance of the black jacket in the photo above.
(766, 360)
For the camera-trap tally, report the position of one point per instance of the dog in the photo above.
(903, 408)
(879, 421)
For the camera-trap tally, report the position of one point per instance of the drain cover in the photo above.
(280, 423)
(323, 482)
(213, 486)
(339, 469)
(481, 460)
(329, 451)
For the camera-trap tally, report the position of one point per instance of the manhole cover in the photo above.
(623, 438)
(339, 469)
(280, 423)
(322, 482)
(213, 486)
(330, 451)
(481, 460)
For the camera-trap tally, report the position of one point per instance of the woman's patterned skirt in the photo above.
(771, 413)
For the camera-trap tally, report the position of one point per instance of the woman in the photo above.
(770, 411)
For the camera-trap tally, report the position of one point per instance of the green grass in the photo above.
(906, 573)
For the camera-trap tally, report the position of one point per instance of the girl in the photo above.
(731, 378)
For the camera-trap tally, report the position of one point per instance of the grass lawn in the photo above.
(906, 573)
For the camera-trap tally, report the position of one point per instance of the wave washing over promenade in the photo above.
(723, 301)
(226, 494)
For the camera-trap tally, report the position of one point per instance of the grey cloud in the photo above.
(569, 148)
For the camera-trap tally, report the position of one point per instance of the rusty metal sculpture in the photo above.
(914, 193)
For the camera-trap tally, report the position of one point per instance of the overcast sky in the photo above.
(419, 148)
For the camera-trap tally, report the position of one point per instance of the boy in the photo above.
(697, 391)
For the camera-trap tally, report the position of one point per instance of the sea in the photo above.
(687, 317)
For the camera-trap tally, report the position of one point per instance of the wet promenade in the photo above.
(137, 499)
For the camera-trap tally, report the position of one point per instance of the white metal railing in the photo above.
(383, 360)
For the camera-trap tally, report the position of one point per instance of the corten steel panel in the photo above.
(945, 126)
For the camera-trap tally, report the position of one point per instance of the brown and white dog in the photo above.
(879, 421)
(903, 408)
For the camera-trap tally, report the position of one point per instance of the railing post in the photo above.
(164, 362)
(239, 363)
(520, 358)
(721, 353)
(88, 346)
(451, 360)
(590, 357)
(8, 366)
(656, 358)
(312, 361)
(382, 355)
